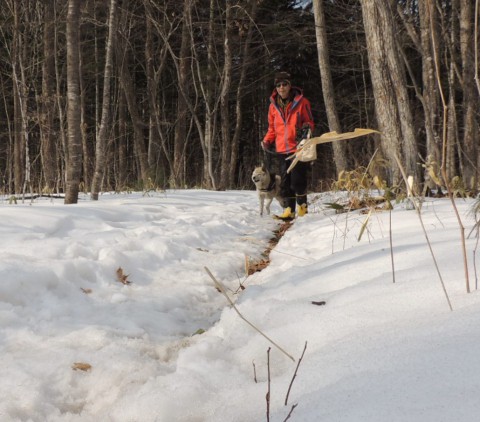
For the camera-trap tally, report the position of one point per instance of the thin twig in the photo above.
(462, 231)
(435, 213)
(391, 248)
(283, 253)
(295, 374)
(289, 254)
(417, 208)
(254, 372)
(290, 413)
(475, 266)
(475, 227)
(222, 290)
(268, 390)
(444, 154)
(474, 257)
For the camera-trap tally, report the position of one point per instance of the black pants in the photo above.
(294, 184)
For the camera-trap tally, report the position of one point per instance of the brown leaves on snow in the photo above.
(122, 277)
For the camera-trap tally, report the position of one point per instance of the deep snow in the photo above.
(376, 351)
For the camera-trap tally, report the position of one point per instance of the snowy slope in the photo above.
(376, 351)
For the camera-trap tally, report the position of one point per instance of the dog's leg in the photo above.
(262, 200)
(267, 206)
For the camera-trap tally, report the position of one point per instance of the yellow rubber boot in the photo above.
(302, 210)
(287, 214)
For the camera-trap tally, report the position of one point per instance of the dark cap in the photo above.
(282, 77)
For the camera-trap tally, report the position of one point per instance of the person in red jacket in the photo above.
(289, 120)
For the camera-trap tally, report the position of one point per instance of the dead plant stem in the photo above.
(351, 202)
(222, 290)
(444, 150)
(391, 247)
(268, 388)
(290, 413)
(295, 374)
(419, 213)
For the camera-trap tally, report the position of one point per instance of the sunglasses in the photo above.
(282, 84)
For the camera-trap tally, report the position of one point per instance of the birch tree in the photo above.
(18, 106)
(47, 113)
(101, 144)
(74, 163)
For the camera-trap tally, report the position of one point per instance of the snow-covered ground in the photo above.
(167, 347)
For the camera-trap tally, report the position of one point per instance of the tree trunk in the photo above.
(87, 158)
(470, 103)
(155, 67)
(452, 130)
(389, 87)
(224, 101)
(339, 153)
(126, 82)
(122, 162)
(102, 140)
(209, 138)
(177, 178)
(138, 125)
(154, 146)
(47, 112)
(19, 141)
(74, 164)
(62, 149)
(246, 60)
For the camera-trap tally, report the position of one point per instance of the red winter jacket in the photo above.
(282, 129)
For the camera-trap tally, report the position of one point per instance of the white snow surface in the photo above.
(384, 347)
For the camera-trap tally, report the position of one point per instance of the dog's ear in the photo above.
(264, 168)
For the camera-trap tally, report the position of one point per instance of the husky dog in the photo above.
(268, 187)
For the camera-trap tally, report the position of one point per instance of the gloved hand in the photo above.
(266, 147)
(303, 133)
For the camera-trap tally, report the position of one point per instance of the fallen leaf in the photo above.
(122, 277)
(81, 366)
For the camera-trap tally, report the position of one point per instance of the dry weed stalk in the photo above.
(222, 290)
(364, 180)
(415, 202)
(291, 411)
(444, 150)
(269, 383)
(476, 227)
(391, 245)
(268, 395)
(295, 374)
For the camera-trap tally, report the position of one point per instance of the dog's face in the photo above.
(266, 190)
(260, 176)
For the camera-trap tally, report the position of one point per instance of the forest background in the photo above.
(113, 95)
